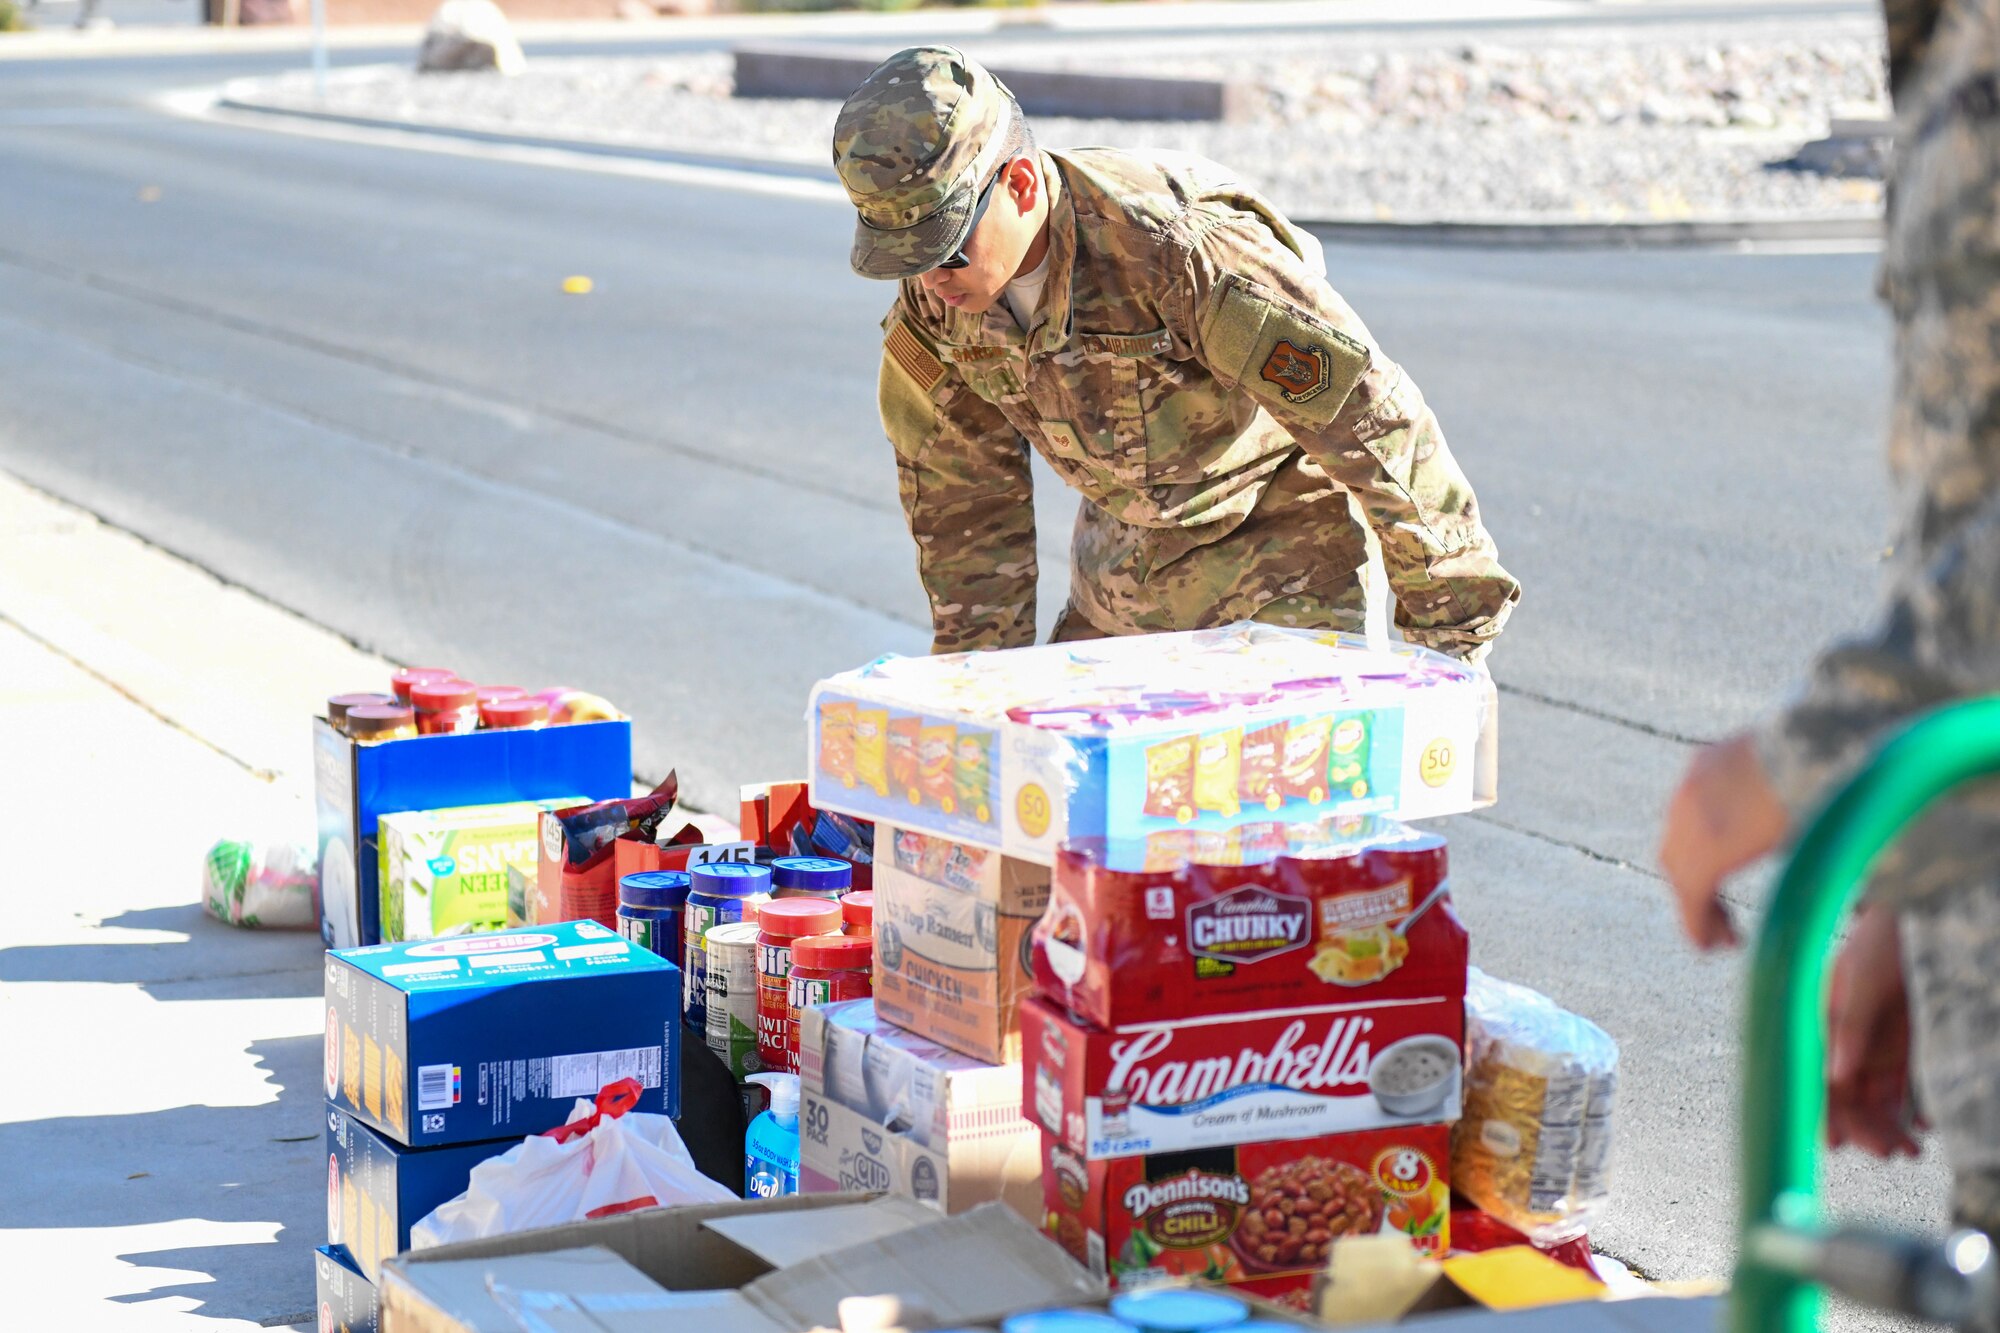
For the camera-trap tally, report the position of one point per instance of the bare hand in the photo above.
(1723, 817)
(1868, 1035)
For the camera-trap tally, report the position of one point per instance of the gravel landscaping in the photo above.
(1628, 124)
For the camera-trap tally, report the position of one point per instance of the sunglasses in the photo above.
(957, 258)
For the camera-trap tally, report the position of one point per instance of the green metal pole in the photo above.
(1784, 1087)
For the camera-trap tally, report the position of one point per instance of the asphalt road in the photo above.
(345, 376)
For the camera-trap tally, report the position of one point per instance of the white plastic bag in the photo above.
(603, 1161)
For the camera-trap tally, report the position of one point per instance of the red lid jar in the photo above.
(857, 912)
(501, 714)
(827, 969)
(781, 922)
(445, 706)
(406, 680)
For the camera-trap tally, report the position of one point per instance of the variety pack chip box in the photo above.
(356, 785)
(495, 1036)
(1132, 738)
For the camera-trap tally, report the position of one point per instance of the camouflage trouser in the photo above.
(1342, 604)
(1951, 957)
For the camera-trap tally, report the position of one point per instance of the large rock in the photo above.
(470, 34)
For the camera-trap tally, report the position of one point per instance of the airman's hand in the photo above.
(1723, 817)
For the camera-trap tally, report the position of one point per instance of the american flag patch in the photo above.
(917, 361)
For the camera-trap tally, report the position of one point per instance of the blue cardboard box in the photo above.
(376, 1189)
(356, 785)
(495, 1036)
(346, 1300)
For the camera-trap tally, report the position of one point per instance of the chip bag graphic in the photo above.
(1217, 765)
(1259, 758)
(936, 780)
(974, 774)
(1170, 779)
(871, 749)
(1302, 768)
(1352, 733)
(903, 755)
(836, 741)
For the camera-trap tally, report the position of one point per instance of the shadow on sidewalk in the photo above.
(268, 964)
(227, 1164)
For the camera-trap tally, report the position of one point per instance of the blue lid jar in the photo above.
(811, 874)
(730, 879)
(1062, 1321)
(654, 889)
(1179, 1311)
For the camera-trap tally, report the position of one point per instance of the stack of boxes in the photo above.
(1244, 1038)
(1236, 1062)
(441, 1054)
(918, 1091)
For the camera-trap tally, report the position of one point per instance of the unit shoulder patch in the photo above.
(1282, 354)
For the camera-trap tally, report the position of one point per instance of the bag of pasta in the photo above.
(1534, 1145)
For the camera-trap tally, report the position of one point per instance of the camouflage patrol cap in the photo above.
(914, 146)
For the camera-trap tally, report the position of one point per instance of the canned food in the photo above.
(827, 969)
(732, 996)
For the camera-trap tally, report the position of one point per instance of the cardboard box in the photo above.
(758, 1266)
(355, 785)
(560, 891)
(1229, 1214)
(489, 1036)
(346, 1301)
(1241, 1078)
(1026, 748)
(886, 1110)
(952, 928)
(376, 1189)
(1352, 911)
(445, 872)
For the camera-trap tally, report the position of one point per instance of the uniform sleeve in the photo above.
(962, 472)
(1262, 320)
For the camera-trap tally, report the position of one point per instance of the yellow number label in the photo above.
(1031, 810)
(1439, 761)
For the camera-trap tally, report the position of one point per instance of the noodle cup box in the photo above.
(355, 785)
(884, 1109)
(1353, 910)
(1240, 1078)
(376, 1189)
(952, 935)
(445, 872)
(344, 1299)
(1229, 1214)
(1023, 749)
(488, 1036)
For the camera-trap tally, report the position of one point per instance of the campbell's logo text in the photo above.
(1308, 1057)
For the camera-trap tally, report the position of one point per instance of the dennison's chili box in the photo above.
(490, 1036)
(1240, 1078)
(1260, 1216)
(1124, 739)
(1343, 912)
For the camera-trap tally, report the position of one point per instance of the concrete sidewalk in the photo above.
(160, 1113)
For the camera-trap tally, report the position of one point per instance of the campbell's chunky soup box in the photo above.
(356, 784)
(1260, 1216)
(493, 1036)
(952, 928)
(1272, 916)
(1123, 739)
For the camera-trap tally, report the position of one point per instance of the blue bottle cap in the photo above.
(1179, 1311)
(654, 888)
(731, 879)
(1062, 1321)
(814, 874)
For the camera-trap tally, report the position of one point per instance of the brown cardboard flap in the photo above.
(973, 1268)
(555, 1291)
(784, 1239)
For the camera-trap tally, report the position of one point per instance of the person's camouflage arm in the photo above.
(1261, 318)
(962, 472)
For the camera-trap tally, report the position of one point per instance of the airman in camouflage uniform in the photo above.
(1937, 641)
(1232, 426)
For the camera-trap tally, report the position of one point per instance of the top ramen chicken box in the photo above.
(1123, 739)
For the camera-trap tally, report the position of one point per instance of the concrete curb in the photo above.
(1688, 234)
